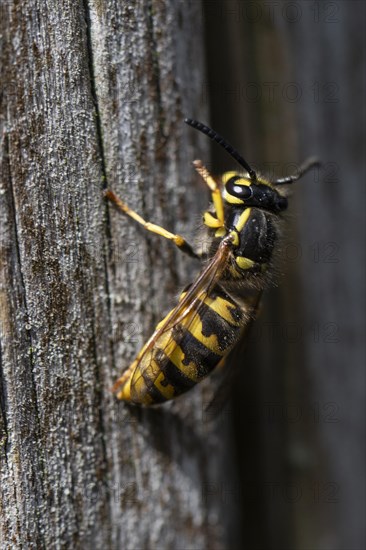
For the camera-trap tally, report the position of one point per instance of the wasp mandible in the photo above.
(212, 313)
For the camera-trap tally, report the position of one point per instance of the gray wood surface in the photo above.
(95, 93)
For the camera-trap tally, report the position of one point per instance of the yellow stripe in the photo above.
(243, 219)
(242, 181)
(244, 263)
(139, 390)
(171, 349)
(221, 307)
(176, 356)
(211, 342)
(166, 390)
(228, 175)
(231, 199)
(234, 238)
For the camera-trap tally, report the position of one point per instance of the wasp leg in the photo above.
(215, 193)
(178, 240)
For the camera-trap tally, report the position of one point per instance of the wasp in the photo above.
(213, 313)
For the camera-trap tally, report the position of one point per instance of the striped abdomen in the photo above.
(183, 355)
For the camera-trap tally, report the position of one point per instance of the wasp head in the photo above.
(241, 190)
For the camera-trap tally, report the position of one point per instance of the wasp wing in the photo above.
(147, 382)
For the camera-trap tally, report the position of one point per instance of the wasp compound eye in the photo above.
(234, 188)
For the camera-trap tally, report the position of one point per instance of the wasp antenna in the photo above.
(224, 143)
(305, 167)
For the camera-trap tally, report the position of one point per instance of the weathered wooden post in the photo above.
(94, 94)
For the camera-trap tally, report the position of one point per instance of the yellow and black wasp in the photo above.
(216, 309)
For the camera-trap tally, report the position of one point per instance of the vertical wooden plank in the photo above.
(96, 93)
(53, 305)
(332, 114)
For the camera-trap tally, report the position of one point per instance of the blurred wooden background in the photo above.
(94, 94)
(286, 80)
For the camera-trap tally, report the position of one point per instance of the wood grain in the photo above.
(95, 94)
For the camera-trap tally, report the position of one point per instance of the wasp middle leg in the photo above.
(178, 240)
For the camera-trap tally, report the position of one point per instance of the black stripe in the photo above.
(213, 323)
(152, 390)
(195, 352)
(232, 307)
(257, 238)
(173, 375)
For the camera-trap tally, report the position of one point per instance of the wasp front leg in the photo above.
(178, 240)
(218, 220)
